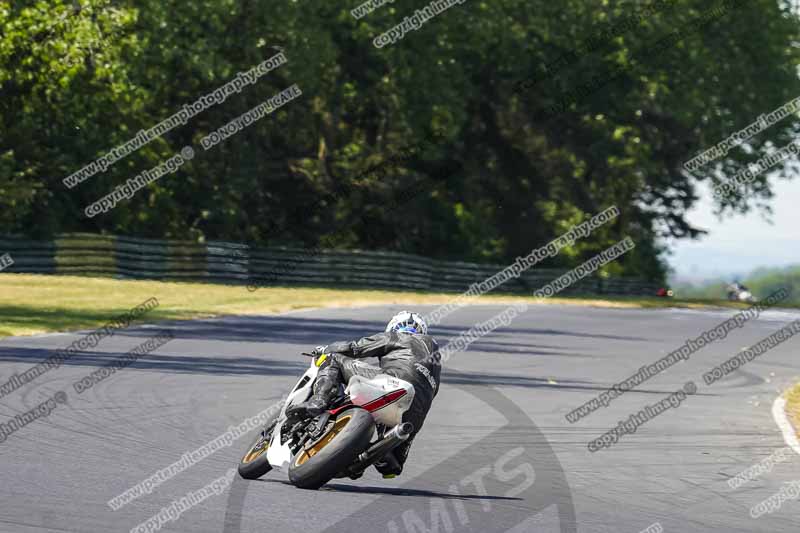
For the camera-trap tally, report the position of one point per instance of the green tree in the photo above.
(521, 118)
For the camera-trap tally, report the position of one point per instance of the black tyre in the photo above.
(348, 436)
(254, 463)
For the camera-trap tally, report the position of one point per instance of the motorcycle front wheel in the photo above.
(346, 437)
(254, 463)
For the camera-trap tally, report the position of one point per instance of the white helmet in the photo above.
(409, 322)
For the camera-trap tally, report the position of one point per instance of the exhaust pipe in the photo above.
(402, 432)
(391, 440)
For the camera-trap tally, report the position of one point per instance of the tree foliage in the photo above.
(454, 110)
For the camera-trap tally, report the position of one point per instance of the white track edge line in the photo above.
(779, 414)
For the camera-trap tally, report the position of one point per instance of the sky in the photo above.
(738, 245)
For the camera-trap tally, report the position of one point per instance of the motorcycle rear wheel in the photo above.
(348, 435)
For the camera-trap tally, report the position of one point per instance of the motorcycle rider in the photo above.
(405, 351)
(738, 292)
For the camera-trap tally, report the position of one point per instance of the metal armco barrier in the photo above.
(233, 263)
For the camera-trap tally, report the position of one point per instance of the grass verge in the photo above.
(33, 303)
(793, 406)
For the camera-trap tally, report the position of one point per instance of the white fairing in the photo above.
(364, 390)
(278, 454)
(361, 391)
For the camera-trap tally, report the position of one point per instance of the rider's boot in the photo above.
(324, 391)
(389, 466)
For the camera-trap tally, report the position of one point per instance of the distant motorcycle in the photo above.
(363, 423)
(739, 293)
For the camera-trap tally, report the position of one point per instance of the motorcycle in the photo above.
(362, 424)
(740, 293)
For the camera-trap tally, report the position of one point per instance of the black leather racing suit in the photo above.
(411, 357)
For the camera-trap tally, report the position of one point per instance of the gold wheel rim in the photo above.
(337, 428)
(259, 449)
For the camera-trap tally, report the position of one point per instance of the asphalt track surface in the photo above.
(496, 453)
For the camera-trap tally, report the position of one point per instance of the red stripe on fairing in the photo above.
(374, 405)
(383, 401)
